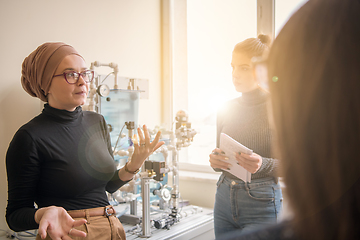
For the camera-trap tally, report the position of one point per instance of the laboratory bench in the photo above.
(194, 223)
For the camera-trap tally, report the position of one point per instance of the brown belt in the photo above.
(92, 212)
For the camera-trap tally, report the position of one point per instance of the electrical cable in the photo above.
(182, 205)
(117, 140)
(26, 234)
(122, 212)
(19, 235)
(6, 232)
(107, 76)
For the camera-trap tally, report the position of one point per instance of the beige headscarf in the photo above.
(39, 67)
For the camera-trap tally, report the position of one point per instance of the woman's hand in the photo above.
(252, 162)
(142, 150)
(218, 159)
(58, 224)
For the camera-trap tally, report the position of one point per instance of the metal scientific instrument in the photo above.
(120, 107)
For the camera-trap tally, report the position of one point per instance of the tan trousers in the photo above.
(98, 228)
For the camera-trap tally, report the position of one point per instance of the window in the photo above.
(213, 29)
(283, 10)
(212, 33)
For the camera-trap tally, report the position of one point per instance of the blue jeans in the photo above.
(246, 206)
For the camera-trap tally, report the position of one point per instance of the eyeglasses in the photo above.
(259, 65)
(73, 77)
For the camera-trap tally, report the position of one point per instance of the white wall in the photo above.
(198, 188)
(121, 31)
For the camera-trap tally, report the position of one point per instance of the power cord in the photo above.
(18, 235)
(8, 234)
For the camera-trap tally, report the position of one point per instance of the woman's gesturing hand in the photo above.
(58, 224)
(144, 148)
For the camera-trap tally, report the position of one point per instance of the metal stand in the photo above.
(175, 191)
(145, 194)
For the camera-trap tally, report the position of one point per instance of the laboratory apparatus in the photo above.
(150, 193)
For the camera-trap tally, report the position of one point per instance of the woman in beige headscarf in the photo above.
(62, 159)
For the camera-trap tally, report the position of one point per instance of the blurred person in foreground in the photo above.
(314, 81)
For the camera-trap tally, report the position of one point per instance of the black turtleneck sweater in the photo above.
(246, 120)
(59, 158)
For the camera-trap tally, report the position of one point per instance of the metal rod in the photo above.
(145, 194)
(175, 190)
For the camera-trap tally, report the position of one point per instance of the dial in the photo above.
(103, 90)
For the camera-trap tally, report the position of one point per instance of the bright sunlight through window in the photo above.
(213, 28)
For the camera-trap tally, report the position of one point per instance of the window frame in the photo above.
(174, 62)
